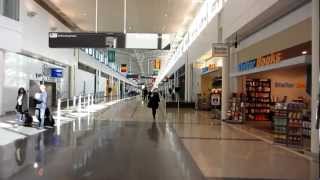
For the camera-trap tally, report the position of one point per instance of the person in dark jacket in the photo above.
(154, 103)
(144, 94)
(149, 95)
(21, 106)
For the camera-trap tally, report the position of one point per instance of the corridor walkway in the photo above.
(123, 143)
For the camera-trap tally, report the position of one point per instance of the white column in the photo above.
(73, 74)
(233, 62)
(98, 77)
(225, 88)
(74, 103)
(119, 81)
(2, 78)
(315, 76)
(79, 104)
(124, 89)
(188, 84)
(111, 85)
(196, 83)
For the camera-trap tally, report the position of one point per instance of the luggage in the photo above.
(48, 119)
(28, 120)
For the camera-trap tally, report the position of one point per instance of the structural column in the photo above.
(112, 87)
(188, 84)
(2, 79)
(73, 74)
(124, 89)
(315, 76)
(233, 62)
(97, 83)
(119, 95)
(225, 87)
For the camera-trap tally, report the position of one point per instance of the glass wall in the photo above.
(101, 55)
(10, 9)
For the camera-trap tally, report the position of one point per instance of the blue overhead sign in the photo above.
(248, 65)
(56, 72)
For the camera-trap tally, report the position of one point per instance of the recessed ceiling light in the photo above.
(165, 15)
(304, 52)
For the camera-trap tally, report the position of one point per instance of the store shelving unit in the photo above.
(280, 120)
(236, 113)
(288, 124)
(306, 125)
(258, 99)
(295, 124)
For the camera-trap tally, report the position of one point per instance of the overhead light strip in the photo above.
(207, 12)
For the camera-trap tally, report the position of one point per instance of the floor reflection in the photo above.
(98, 150)
(153, 133)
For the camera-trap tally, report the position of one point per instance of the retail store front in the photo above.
(211, 82)
(274, 95)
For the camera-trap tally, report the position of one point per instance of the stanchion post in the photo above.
(74, 104)
(68, 104)
(92, 100)
(59, 109)
(89, 100)
(79, 104)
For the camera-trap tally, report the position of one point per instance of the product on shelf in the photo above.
(295, 119)
(288, 120)
(280, 120)
(306, 124)
(236, 112)
(258, 99)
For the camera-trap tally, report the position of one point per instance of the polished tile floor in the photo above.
(123, 143)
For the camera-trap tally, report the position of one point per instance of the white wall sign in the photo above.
(220, 50)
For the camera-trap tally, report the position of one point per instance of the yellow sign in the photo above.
(157, 64)
(273, 58)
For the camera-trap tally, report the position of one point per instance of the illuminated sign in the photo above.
(273, 58)
(289, 85)
(124, 68)
(56, 72)
(276, 57)
(220, 50)
(157, 64)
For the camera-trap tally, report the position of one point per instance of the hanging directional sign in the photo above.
(86, 40)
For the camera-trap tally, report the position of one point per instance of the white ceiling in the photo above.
(143, 16)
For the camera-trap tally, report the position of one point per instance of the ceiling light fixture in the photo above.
(304, 52)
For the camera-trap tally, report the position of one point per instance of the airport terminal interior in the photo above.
(159, 90)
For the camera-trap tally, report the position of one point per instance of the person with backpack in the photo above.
(154, 103)
(21, 106)
(41, 105)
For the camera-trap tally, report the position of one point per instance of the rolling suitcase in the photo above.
(28, 120)
(48, 119)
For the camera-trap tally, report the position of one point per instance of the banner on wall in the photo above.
(157, 64)
(220, 50)
(124, 68)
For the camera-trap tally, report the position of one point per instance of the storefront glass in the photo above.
(10, 8)
(274, 95)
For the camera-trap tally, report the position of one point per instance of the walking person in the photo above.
(41, 106)
(145, 94)
(154, 103)
(21, 106)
